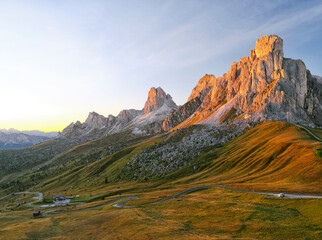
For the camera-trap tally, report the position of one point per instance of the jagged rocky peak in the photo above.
(128, 115)
(156, 99)
(203, 87)
(73, 130)
(266, 85)
(260, 87)
(110, 117)
(269, 45)
(96, 120)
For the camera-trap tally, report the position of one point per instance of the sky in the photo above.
(60, 60)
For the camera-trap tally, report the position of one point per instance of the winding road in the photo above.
(308, 131)
(127, 199)
(121, 204)
(40, 196)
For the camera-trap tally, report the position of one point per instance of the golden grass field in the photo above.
(273, 156)
(207, 214)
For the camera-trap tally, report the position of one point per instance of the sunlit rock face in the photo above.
(156, 99)
(203, 87)
(260, 87)
(196, 98)
(159, 106)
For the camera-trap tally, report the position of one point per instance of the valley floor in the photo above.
(214, 213)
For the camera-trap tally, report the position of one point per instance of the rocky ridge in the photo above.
(172, 154)
(263, 86)
(156, 99)
(158, 106)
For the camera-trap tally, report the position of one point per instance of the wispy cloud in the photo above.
(182, 47)
(62, 57)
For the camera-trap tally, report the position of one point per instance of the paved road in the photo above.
(286, 195)
(40, 196)
(308, 131)
(127, 199)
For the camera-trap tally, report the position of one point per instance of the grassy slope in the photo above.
(273, 156)
(209, 214)
(94, 175)
(66, 160)
(58, 151)
(75, 152)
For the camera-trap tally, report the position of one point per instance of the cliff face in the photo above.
(96, 120)
(156, 99)
(260, 87)
(203, 87)
(181, 114)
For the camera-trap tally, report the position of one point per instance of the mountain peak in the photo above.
(156, 99)
(268, 44)
(203, 87)
(261, 87)
(96, 120)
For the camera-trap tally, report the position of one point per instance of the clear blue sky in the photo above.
(60, 60)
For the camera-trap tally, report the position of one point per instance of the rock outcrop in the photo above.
(96, 125)
(158, 106)
(181, 114)
(203, 87)
(261, 87)
(156, 99)
(96, 120)
(195, 99)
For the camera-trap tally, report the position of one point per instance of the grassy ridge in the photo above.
(273, 156)
(98, 173)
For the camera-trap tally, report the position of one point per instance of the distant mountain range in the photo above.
(31, 132)
(12, 138)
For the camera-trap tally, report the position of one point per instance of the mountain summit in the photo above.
(159, 105)
(263, 86)
(156, 99)
(260, 87)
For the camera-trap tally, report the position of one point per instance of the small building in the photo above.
(59, 198)
(36, 214)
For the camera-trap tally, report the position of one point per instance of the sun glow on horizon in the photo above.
(61, 60)
(45, 126)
